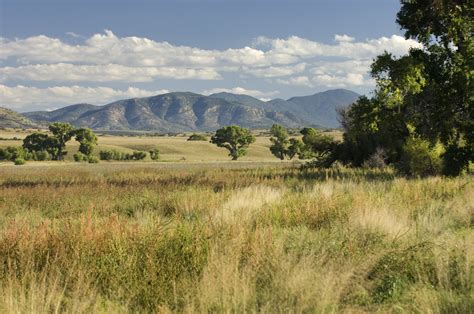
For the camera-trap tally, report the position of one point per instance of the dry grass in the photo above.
(147, 238)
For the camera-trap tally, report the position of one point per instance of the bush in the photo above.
(111, 155)
(138, 155)
(154, 154)
(93, 160)
(19, 161)
(40, 155)
(116, 155)
(197, 137)
(377, 160)
(78, 157)
(419, 158)
(11, 153)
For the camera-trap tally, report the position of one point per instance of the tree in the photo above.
(40, 142)
(295, 148)
(36, 142)
(62, 133)
(427, 94)
(235, 139)
(323, 147)
(54, 144)
(280, 141)
(87, 140)
(155, 154)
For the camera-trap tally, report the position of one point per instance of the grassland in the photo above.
(172, 149)
(158, 237)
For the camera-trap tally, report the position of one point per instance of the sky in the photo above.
(55, 53)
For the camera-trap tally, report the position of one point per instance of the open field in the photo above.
(172, 149)
(160, 237)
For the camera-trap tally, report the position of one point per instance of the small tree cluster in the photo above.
(12, 153)
(53, 145)
(117, 155)
(313, 145)
(235, 139)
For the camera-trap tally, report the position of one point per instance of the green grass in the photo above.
(207, 237)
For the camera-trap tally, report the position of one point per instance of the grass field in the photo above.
(219, 237)
(172, 149)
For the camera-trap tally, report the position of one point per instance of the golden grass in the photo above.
(132, 237)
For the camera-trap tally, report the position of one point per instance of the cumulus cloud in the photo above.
(22, 97)
(108, 58)
(243, 91)
(343, 38)
(296, 81)
(102, 73)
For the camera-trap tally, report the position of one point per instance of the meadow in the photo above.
(232, 237)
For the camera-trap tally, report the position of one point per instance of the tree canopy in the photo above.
(426, 94)
(234, 138)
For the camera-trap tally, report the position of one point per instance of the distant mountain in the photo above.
(242, 99)
(173, 112)
(322, 107)
(319, 109)
(12, 119)
(183, 111)
(66, 114)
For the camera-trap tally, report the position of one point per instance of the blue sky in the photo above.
(58, 52)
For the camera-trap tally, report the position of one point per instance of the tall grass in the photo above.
(113, 239)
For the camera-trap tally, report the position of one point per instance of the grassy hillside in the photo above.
(144, 238)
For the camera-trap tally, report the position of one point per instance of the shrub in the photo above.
(93, 160)
(110, 155)
(138, 155)
(19, 161)
(154, 154)
(419, 158)
(197, 137)
(40, 155)
(78, 157)
(377, 159)
(11, 153)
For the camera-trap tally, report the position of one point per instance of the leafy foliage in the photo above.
(234, 138)
(154, 154)
(321, 147)
(280, 142)
(427, 94)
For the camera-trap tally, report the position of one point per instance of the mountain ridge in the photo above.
(187, 111)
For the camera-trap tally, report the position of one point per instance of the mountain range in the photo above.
(184, 111)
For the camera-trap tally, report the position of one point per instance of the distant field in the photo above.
(174, 149)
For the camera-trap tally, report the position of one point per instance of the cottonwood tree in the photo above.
(234, 138)
(427, 94)
(55, 143)
(62, 133)
(280, 141)
(87, 140)
(322, 147)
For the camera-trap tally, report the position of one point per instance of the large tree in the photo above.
(427, 93)
(87, 140)
(235, 139)
(62, 133)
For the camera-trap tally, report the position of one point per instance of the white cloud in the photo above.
(75, 35)
(107, 58)
(20, 97)
(343, 38)
(240, 90)
(276, 71)
(102, 73)
(296, 81)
